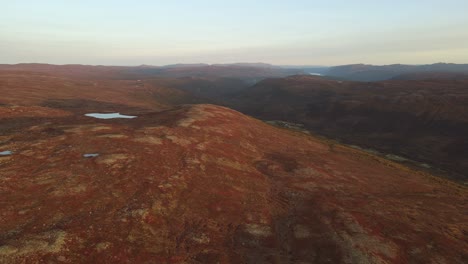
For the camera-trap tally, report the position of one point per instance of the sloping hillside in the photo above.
(422, 120)
(206, 184)
(46, 89)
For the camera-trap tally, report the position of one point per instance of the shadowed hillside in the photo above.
(433, 76)
(422, 120)
(363, 72)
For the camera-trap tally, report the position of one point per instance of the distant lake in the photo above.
(315, 73)
(109, 115)
(6, 153)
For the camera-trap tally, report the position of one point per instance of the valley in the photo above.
(187, 181)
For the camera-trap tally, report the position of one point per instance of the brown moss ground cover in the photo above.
(205, 184)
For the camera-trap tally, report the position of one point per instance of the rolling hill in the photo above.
(422, 120)
(189, 182)
(369, 73)
(206, 184)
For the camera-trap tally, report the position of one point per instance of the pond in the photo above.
(109, 115)
(6, 153)
(91, 155)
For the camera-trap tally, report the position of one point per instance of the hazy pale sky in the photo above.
(306, 32)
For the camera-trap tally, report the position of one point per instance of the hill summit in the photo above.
(206, 184)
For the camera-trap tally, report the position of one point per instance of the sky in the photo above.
(293, 32)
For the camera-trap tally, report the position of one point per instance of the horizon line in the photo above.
(201, 64)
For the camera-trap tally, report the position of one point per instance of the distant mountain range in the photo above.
(246, 71)
(367, 73)
(256, 71)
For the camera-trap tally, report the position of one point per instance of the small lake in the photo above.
(91, 155)
(109, 115)
(6, 153)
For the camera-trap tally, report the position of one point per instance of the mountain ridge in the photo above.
(205, 184)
